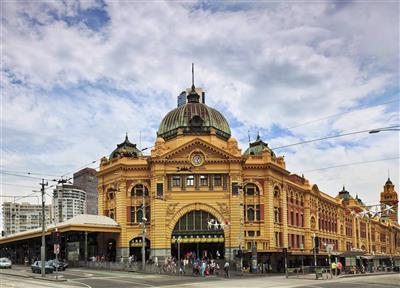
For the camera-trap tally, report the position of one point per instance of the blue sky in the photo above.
(77, 75)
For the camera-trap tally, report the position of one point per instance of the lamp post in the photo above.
(144, 219)
(302, 257)
(374, 131)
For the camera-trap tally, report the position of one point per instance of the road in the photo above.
(101, 279)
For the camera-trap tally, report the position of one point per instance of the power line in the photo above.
(333, 136)
(29, 173)
(349, 164)
(24, 176)
(84, 166)
(16, 185)
(339, 114)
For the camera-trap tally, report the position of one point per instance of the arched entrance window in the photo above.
(111, 250)
(135, 248)
(138, 191)
(198, 234)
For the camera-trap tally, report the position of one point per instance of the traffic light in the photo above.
(56, 237)
(316, 244)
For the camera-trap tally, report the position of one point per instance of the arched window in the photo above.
(250, 214)
(138, 190)
(277, 193)
(312, 223)
(111, 194)
(111, 214)
(251, 189)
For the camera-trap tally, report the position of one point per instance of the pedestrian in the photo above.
(333, 267)
(226, 269)
(339, 267)
(217, 254)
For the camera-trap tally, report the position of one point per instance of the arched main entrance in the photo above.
(194, 235)
(135, 248)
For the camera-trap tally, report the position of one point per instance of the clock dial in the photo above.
(197, 159)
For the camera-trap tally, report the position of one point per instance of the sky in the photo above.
(77, 75)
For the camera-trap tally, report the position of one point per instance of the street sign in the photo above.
(56, 249)
(329, 248)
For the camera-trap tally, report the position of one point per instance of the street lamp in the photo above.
(394, 128)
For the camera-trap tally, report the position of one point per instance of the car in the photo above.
(57, 265)
(5, 263)
(37, 268)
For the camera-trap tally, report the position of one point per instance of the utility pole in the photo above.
(43, 248)
(144, 219)
(315, 251)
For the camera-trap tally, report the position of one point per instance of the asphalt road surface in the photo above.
(114, 279)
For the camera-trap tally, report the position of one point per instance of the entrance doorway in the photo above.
(193, 236)
(135, 248)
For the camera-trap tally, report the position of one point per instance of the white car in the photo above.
(5, 263)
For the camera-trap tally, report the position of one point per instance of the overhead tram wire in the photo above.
(338, 114)
(84, 166)
(29, 173)
(333, 136)
(350, 164)
(25, 176)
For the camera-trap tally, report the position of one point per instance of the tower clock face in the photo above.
(197, 159)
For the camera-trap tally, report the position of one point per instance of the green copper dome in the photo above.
(257, 147)
(125, 149)
(194, 118)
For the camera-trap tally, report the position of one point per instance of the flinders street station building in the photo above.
(199, 194)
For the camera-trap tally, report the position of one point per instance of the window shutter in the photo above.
(128, 214)
(261, 212)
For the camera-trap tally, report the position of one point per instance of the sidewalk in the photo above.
(28, 274)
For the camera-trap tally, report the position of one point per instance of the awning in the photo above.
(352, 254)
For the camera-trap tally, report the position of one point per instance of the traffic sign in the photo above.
(56, 248)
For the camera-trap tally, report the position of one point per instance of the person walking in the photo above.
(339, 267)
(333, 267)
(226, 269)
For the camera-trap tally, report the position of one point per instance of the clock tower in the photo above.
(389, 198)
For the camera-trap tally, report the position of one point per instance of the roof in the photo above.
(83, 222)
(126, 149)
(193, 118)
(87, 219)
(344, 194)
(257, 147)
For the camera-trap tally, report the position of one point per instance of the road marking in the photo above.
(84, 284)
(115, 278)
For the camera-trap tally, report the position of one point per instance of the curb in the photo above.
(33, 277)
(369, 274)
(17, 275)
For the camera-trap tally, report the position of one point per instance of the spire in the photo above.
(258, 136)
(193, 97)
(126, 136)
(193, 88)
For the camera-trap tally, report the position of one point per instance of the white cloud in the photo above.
(276, 64)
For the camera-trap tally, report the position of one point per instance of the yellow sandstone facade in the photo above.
(196, 175)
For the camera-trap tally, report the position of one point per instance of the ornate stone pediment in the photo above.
(210, 152)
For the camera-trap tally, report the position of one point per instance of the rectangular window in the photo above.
(258, 213)
(176, 181)
(292, 218)
(235, 189)
(160, 190)
(250, 233)
(217, 180)
(203, 180)
(190, 180)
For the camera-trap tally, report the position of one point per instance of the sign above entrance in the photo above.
(198, 239)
